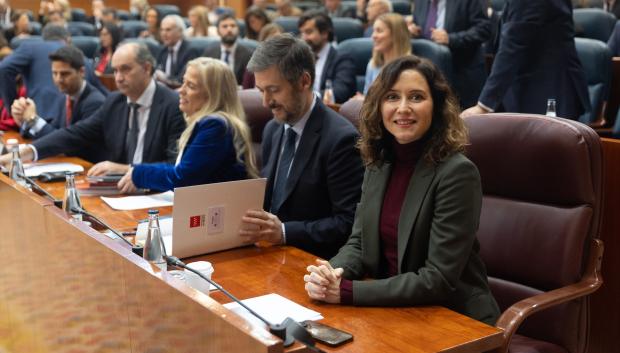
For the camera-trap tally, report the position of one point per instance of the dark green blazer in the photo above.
(438, 261)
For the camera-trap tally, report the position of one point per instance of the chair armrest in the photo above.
(511, 319)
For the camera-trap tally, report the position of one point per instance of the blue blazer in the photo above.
(31, 59)
(323, 186)
(537, 60)
(209, 157)
(185, 54)
(340, 68)
(87, 104)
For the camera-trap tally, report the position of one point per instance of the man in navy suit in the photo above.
(31, 60)
(317, 30)
(139, 123)
(536, 61)
(309, 157)
(462, 26)
(176, 51)
(82, 99)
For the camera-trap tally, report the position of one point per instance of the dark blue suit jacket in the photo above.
(107, 128)
(323, 185)
(468, 26)
(185, 54)
(208, 157)
(86, 105)
(340, 68)
(537, 60)
(31, 60)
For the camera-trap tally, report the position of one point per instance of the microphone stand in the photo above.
(136, 249)
(39, 190)
(295, 330)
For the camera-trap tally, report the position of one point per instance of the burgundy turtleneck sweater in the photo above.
(405, 158)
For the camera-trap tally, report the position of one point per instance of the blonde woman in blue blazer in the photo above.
(414, 236)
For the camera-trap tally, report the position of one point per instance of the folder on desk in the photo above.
(206, 218)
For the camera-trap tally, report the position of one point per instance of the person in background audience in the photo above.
(415, 227)
(97, 10)
(375, 9)
(264, 5)
(314, 171)
(5, 48)
(152, 17)
(110, 14)
(216, 145)
(110, 36)
(270, 30)
(215, 11)
(45, 7)
(286, 8)
(317, 31)
(390, 39)
(140, 122)
(230, 51)
(612, 6)
(31, 60)
(522, 80)
(462, 26)
(334, 8)
(56, 18)
(20, 27)
(255, 20)
(5, 14)
(81, 98)
(137, 8)
(199, 23)
(175, 53)
(64, 7)
(614, 41)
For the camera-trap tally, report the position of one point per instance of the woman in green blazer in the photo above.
(414, 237)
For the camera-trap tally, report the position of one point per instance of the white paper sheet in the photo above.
(129, 203)
(35, 169)
(274, 308)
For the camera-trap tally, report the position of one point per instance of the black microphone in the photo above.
(136, 249)
(289, 330)
(39, 190)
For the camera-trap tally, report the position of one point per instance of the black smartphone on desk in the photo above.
(327, 334)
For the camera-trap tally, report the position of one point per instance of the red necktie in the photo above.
(69, 109)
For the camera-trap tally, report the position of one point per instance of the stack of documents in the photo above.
(129, 203)
(274, 308)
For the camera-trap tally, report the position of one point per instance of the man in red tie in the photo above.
(81, 99)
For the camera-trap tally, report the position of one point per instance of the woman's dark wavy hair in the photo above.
(116, 33)
(447, 133)
(258, 13)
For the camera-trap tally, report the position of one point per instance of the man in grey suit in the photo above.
(139, 124)
(229, 50)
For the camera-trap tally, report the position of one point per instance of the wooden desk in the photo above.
(246, 272)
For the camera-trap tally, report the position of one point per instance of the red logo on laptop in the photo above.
(196, 221)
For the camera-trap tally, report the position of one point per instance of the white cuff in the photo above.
(283, 234)
(38, 125)
(485, 107)
(35, 153)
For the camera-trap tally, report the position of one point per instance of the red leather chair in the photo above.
(541, 180)
(257, 117)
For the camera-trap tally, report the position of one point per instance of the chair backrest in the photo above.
(360, 49)
(242, 29)
(87, 29)
(166, 10)
(498, 5)
(595, 59)
(306, 5)
(88, 45)
(16, 41)
(351, 110)
(257, 116)
(347, 28)
(152, 44)
(202, 43)
(78, 14)
(594, 23)
(289, 24)
(123, 15)
(541, 182)
(132, 28)
(402, 7)
(248, 43)
(439, 54)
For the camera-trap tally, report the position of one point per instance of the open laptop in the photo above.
(206, 218)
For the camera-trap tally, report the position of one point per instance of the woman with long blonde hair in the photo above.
(215, 146)
(390, 40)
(199, 23)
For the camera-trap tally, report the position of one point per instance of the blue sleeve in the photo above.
(10, 67)
(209, 147)
(369, 77)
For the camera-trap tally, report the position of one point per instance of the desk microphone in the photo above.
(136, 249)
(289, 330)
(39, 190)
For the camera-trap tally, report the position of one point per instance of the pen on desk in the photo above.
(127, 234)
